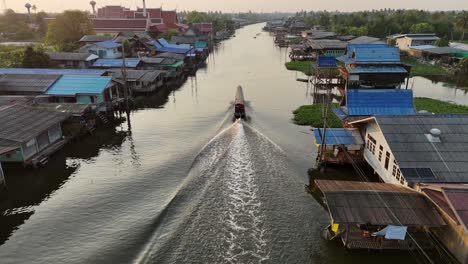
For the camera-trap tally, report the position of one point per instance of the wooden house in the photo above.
(72, 60)
(373, 65)
(104, 49)
(141, 81)
(327, 47)
(99, 91)
(378, 216)
(29, 135)
(173, 68)
(410, 149)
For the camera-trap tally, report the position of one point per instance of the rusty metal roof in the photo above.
(377, 204)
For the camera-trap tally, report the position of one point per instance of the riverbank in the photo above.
(420, 69)
(311, 115)
(302, 66)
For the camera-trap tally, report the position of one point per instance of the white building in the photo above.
(406, 41)
(408, 150)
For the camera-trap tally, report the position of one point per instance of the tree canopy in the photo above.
(35, 58)
(68, 28)
(220, 21)
(462, 23)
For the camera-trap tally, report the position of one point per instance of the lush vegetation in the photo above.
(312, 115)
(439, 107)
(21, 27)
(381, 23)
(20, 57)
(420, 69)
(67, 28)
(302, 66)
(220, 21)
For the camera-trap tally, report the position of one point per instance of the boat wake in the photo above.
(233, 206)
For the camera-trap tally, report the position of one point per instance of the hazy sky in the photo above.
(245, 5)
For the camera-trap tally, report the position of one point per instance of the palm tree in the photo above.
(34, 8)
(462, 23)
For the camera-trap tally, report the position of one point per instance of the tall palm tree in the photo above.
(34, 8)
(462, 23)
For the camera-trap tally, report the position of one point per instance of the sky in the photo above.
(246, 5)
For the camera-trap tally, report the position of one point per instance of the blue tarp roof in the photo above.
(52, 71)
(373, 69)
(326, 62)
(108, 44)
(334, 136)
(116, 63)
(71, 85)
(371, 102)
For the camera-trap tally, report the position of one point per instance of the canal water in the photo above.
(182, 182)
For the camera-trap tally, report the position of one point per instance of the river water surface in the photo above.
(185, 184)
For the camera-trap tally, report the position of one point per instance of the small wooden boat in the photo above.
(239, 104)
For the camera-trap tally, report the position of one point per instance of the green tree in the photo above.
(462, 23)
(35, 58)
(462, 67)
(422, 28)
(442, 42)
(169, 34)
(126, 47)
(67, 28)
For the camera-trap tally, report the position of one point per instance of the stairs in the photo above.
(103, 118)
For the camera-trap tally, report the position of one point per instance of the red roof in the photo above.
(169, 17)
(158, 28)
(125, 24)
(453, 199)
(111, 12)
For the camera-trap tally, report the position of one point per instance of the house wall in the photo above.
(104, 53)
(86, 99)
(375, 155)
(405, 43)
(12, 156)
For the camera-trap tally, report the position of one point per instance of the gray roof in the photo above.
(72, 108)
(171, 55)
(156, 60)
(22, 123)
(319, 44)
(71, 56)
(448, 160)
(15, 99)
(138, 75)
(365, 40)
(318, 34)
(95, 38)
(183, 40)
(28, 83)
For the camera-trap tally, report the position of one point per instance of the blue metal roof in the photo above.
(52, 71)
(374, 69)
(339, 113)
(201, 44)
(176, 46)
(108, 44)
(334, 136)
(72, 85)
(326, 62)
(372, 102)
(116, 63)
(377, 55)
(350, 48)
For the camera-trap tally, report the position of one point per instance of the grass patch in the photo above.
(419, 69)
(302, 66)
(311, 115)
(439, 107)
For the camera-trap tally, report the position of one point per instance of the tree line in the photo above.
(385, 22)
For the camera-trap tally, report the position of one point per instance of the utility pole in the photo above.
(124, 76)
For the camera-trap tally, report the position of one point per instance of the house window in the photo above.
(371, 142)
(387, 160)
(380, 152)
(396, 171)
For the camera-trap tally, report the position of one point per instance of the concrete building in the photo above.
(105, 49)
(405, 41)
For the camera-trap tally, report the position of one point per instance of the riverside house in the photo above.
(29, 135)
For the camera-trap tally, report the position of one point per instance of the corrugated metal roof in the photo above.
(171, 55)
(201, 44)
(52, 71)
(448, 160)
(71, 56)
(28, 83)
(421, 47)
(138, 75)
(334, 136)
(377, 204)
(116, 63)
(22, 123)
(108, 44)
(372, 102)
(72, 108)
(364, 40)
(350, 48)
(377, 55)
(375, 69)
(95, 38)
(72, 85)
